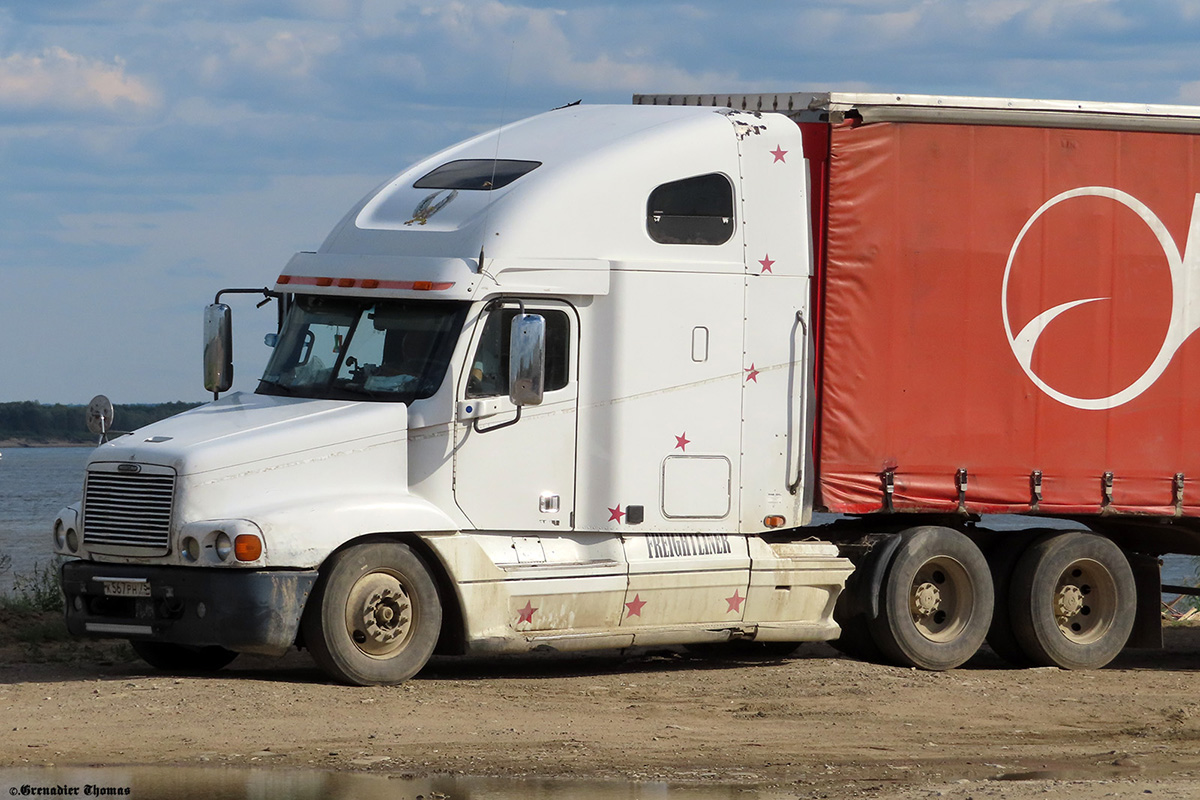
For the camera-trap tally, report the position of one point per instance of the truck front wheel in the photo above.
(375, 615)
(1072, 601)
(935, 602)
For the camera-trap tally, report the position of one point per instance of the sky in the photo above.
(155, 151)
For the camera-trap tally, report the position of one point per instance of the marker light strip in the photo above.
(365, 283)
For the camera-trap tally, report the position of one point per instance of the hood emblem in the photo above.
(129, 468)
(431, 205)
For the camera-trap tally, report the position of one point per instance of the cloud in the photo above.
(283, 54)
(63, 81)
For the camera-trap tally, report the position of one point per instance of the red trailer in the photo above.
(1004, 297)
(1007, 320)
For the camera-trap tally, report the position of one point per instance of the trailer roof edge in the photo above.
(881, 107)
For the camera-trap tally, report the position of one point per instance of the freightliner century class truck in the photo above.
(582, 382)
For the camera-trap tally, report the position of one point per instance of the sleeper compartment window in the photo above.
(695, 210)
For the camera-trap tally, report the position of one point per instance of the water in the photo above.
(35, 482)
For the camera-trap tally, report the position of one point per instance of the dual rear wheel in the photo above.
(1071, 601)
(1067, 599)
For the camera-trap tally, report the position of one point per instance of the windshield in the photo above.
(350, 349)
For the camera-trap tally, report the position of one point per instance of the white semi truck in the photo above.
(581, 382)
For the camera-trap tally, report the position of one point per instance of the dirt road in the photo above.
(813, 725)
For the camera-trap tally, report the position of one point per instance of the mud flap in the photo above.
(1147, 622)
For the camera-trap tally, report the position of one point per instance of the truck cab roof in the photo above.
(552, 200)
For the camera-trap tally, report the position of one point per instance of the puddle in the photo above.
(1081, 774)
(205, 783)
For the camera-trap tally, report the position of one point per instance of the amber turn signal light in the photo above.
(774, 521)
(247, 547)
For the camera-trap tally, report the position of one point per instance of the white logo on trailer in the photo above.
(1185, 318)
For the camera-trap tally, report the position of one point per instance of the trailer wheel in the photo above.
(1002, 558)
(170, 657)
(851, 612)
(1073, 601)
(936, 600)
(375, 615)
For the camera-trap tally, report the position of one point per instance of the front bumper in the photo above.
(241, 610)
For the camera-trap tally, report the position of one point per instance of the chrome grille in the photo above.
(127, 510)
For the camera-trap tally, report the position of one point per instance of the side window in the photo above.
(489, 368)
(695, 210)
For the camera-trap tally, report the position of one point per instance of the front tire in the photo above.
(936, 600)
(375, 615)
(1073, 601)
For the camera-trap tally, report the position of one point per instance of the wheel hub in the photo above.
(1069, 601)
(385, 616)
(379, 615)
(927, 599)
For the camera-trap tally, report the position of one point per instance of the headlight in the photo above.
(191, 548)
(224, 546)
(221, 543)
(60, 535)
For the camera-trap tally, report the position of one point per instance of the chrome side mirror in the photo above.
(527, 359)
(218, 348)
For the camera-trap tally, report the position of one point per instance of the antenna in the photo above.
(496, 154)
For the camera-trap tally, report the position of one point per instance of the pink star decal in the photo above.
(735, 602)
(635, 606)
(766, 264)
(751, 375)
(681, 442)
(779, 154)
(526, 613)
(617, 513)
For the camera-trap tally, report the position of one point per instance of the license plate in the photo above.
(127, 588)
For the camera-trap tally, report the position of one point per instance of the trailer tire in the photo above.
(171, 657)
(375, 615)
(852, 612)
(935, 602)
(1073, 601)
(1002, 558)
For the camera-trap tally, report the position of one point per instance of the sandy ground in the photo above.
(813, 725)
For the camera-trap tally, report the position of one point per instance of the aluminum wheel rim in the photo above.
(379, 614)
(941, 599)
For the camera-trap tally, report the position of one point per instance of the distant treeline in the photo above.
(30, 422)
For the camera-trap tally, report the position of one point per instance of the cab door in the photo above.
(518, 474)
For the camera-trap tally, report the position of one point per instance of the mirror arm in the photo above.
(267, 294)
(218, 333)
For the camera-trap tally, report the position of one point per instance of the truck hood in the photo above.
(252, 429)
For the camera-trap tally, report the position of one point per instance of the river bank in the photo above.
(6, 444)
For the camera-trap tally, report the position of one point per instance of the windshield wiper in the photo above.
(276, 385)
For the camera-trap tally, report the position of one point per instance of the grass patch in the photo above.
(33, 629)
(40, 589)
